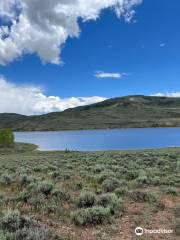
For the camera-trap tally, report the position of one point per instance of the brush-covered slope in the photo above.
(124, 112)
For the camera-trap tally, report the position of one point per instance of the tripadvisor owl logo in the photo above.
(139, 231)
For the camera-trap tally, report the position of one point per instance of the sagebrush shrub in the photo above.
(2, 198)
(24, 196)
(2, 235)
(37, 200)
(91, 216)
(13, 226)
(131, 175)
(25, 179)
(6, 179)
(111, 201)
(142, 179)
(86, 199)
(98, 168)
(170, 190)
(60, 194)
(109, 185)
(12, 221)
(139, 196)
(121, 191)
(45, 188)
(103, 176)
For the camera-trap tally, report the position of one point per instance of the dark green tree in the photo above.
(6, 137)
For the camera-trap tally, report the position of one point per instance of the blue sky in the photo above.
(147, 49)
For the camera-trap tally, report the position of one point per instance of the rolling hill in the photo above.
(123, 112)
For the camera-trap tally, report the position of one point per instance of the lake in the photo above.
(94, 140)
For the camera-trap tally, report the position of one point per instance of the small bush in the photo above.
(142, 179)
(121, 191)
(55, 175)
(78, 185)
(6, 179)
(66, 175)
(103, 176)
(45, 188)
(25, 180)
(40, 169)
(13, 226)
(34, 233)
(24, 196)
(109, 185)
(86, 199)
(98, 168)
(155, 180)
(12, 221)
(2, 198)
(158, 206)
(37, 200)
(32, 187)
(131, 175)
(91, 216)
(170, 190)
(2, 236)
(139, 196)
(111, 201)
(60, 194)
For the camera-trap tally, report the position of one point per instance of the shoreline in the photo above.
(34, 148)
(98, 129)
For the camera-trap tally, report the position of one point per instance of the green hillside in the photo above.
(124, 112)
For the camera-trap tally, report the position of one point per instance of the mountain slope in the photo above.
(124, 112)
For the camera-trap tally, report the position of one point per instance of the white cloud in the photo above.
(30, 100)
(101, 74)
(167, 94)
(42, 27)
(8, 9)
(162, 45)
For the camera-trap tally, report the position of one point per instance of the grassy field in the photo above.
(93, 195)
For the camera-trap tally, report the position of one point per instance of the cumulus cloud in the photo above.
(100, 74)
(30, 100)
(8, 9)
(167, 94)
(42, 27)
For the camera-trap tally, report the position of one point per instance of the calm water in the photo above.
(103, 139)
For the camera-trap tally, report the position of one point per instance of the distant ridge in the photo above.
(123, 112)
